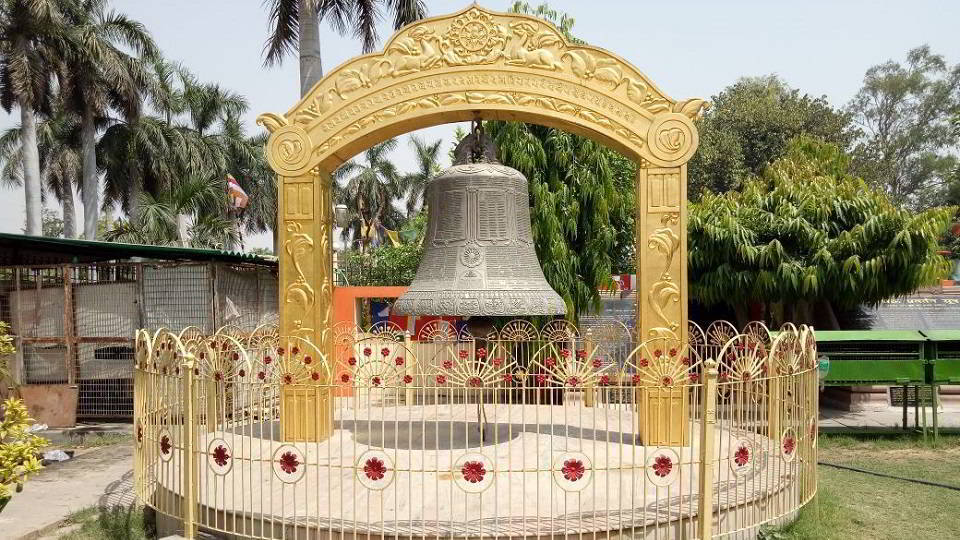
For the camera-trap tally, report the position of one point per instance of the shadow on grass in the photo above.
(888, 441)
(815, 521)
(851, 504)
(109, 523)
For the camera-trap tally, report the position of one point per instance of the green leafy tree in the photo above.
(261, 251)
(809, 237)
(105, 70)
(572, 190)
(58, 145)
(52, 224)
(458, 134)
(369, 187)
(384, 265)
(7, 350)
(295, 27)
(33, 36)
(905, 111)
(748, 127)
(18, 448)
(427, 157)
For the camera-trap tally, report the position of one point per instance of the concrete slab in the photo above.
(886, 418)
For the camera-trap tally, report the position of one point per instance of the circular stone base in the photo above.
(537, 470)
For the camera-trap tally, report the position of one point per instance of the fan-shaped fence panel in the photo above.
(521, 433)
(387, 329)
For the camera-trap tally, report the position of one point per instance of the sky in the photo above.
(688, 48)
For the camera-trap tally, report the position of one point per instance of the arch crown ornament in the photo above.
(479, 63)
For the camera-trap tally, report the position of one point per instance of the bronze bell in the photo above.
(478, 255)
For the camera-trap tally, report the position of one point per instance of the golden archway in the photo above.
(481, 64)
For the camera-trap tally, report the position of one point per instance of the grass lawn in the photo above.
(117, 523)
(96, 440)
(855, 505)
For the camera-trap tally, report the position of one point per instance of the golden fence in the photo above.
(523, 432)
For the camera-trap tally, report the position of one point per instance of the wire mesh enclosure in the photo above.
(525, 432)
(74, 323)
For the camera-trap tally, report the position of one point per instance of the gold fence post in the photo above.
(408, 396)
(186, 457)
(590, 392)
(773, 397)
(708, 418)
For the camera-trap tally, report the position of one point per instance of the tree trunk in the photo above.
(742, 313)
(229, 239)
(829, 315)
(804, 314)
(777, 315)
(31, 171)
(134, 189)
(311, 68)
(69, 212)
(182, 230)
(91, 189)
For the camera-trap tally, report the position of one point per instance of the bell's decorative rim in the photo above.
(481, 303)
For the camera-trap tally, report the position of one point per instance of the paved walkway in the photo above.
(101, 476)
(883, 417)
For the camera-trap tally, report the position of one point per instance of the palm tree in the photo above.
(197, 132)
(32, 35)
(369, 190)
(214, 118)
(99, 75)
(191, 214)
(166, 92)
(428, 165)
(147, 152)
(247, 162)
(295, 26)
(58, 146)
(138, 154)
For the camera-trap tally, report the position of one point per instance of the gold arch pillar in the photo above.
(477, 64)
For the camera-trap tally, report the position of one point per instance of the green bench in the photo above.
(892, 358)
(944, 354)
(859, 357)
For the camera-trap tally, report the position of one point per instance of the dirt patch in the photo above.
(896, 454)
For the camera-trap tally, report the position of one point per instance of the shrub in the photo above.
(18, 449)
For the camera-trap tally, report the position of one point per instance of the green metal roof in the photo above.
(868, 335)
(20, 249)
(942, 335)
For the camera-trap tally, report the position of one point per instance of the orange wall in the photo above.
(345, 299)
(344, 310)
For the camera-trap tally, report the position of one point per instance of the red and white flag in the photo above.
(236, 193)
